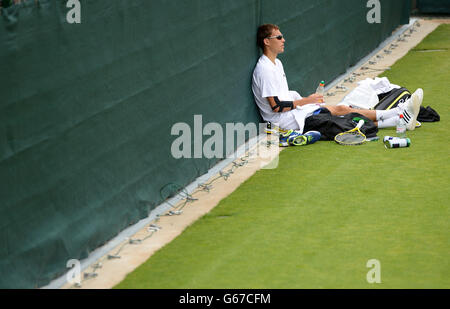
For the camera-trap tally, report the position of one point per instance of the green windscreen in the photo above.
(433, 6)
(87, 110)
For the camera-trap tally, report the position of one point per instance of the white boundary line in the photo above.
(163, 208)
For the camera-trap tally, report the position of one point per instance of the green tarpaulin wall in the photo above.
(433, 6)
(86, 110)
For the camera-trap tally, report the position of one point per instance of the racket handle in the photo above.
(360, 124)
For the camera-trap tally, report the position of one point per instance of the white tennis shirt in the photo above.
(269, 80)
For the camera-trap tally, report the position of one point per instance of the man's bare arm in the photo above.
(312, 99)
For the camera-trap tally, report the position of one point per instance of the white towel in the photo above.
(365, 96)
(379, 85)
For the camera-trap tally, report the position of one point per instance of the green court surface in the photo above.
(317, 219)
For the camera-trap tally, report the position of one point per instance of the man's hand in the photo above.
(316, 98)
(312, 99)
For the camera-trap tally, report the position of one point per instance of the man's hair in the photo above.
(264, 31)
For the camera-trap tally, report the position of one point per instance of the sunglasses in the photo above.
(278, 37)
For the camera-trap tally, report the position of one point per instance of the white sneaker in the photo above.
(411, 109)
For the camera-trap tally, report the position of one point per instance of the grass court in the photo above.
(317, 219)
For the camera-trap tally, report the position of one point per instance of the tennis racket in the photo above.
(352, 137)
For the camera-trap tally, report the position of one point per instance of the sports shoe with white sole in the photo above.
(313, 136)
(411, 109)
(284, 138)
(308, 138)
(295, 138)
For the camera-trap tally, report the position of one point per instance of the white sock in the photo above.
(385, 115)
(388, 123)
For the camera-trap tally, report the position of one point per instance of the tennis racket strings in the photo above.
(352, 137)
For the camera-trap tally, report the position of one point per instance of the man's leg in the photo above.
(410, 110)
(381, 118)
(387, 123)
(342, 110)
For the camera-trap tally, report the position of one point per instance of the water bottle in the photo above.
(321, 90)
(401, 127)
(396, 142)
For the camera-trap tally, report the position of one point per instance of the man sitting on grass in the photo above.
(288, 109)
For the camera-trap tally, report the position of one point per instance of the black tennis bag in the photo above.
(329, 125)
(392, 98)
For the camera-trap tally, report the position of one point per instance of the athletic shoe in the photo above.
(284, 138)
(297, 139)
(313, 136)
(412, 108)
(292, 138)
